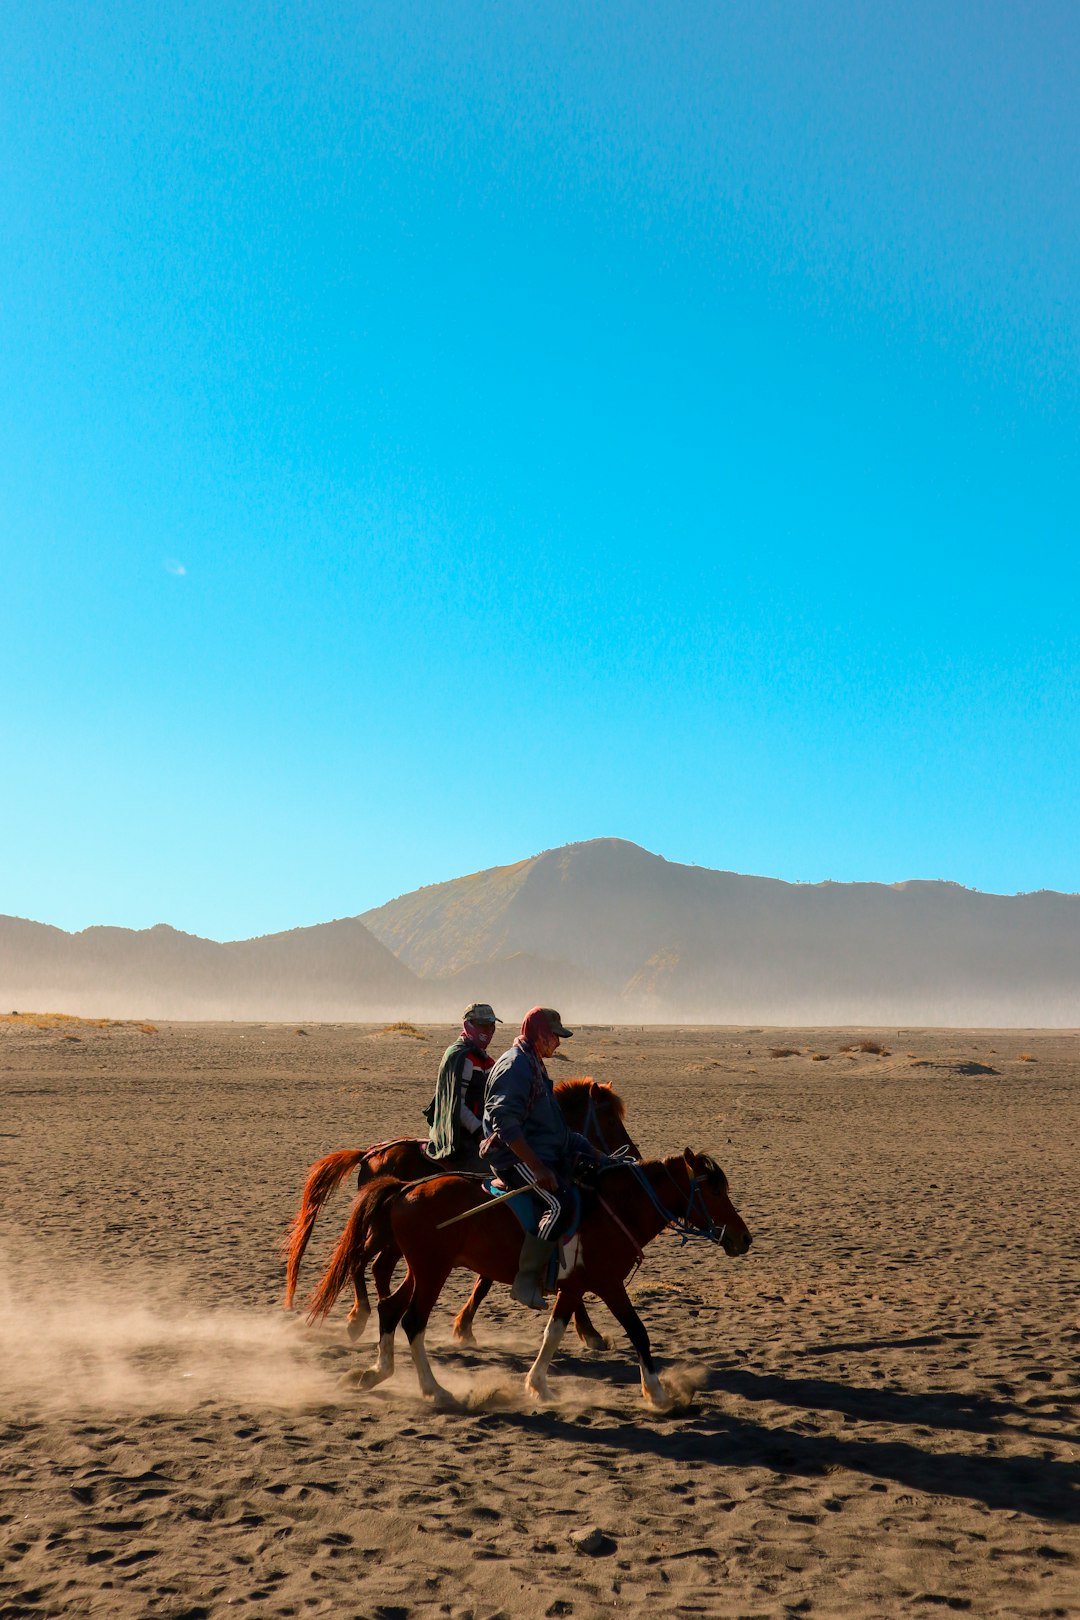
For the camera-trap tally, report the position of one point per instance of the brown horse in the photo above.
(633, 1205)
(589, 1106)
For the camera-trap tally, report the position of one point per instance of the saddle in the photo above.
(528, 1208)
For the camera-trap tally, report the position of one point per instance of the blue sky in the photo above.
(431, 434)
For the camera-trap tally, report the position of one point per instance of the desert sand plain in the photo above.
(885, 1412)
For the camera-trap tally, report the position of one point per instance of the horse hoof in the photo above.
(353, 1380)
(369, 1378)
(539, 1391)
(464, 1336)
(355, 1326)
(443, 1401)
(595, 1341)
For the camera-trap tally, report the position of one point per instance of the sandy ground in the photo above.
(885, 1422)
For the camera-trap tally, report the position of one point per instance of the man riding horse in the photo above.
(454, 1113)
(529, 1144)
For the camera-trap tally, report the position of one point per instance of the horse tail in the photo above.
(367, 1233)
(323, 1178)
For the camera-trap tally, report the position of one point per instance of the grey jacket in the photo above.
(519, 1100)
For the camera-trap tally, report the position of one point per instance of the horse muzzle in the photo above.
(735, 1242)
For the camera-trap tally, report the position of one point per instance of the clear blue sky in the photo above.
(433, 433)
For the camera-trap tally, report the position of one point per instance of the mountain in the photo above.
(336, 970)
(617, 932)
(605, 931)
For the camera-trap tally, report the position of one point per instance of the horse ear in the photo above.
(689, 1156)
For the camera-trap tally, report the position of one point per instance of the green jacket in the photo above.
(462, 1074)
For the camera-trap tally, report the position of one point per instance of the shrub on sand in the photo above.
(35, 1020)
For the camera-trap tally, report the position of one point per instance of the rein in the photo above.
(592, 1123)
(683, 1224)
(624, 1229)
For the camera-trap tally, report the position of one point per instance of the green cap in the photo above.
(480, 1013)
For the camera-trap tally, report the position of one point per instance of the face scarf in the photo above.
(479, 1036)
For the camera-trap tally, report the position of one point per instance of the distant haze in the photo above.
(607, 932)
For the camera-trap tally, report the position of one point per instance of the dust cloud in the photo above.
(93, 1344)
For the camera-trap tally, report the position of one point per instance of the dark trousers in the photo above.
(556, 1208)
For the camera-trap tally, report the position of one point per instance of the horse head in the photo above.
(597, 1111)
(709, 1203)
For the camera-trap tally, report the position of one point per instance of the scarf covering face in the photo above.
(481, 1039)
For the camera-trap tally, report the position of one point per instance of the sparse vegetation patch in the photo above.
(403, 1028)
(61, 1021)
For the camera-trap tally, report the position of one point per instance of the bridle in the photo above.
(684, 1224)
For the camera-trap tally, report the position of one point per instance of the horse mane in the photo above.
(565, 1090)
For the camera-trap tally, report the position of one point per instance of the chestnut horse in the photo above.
(633, 1205)
(589, 1106)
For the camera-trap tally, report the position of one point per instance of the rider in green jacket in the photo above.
(455, 1113)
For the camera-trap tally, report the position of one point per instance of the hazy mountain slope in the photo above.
(446, 926)
(521, 981)
(334, 970)
(661, 940)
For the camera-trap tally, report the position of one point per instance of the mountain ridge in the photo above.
(606, 930)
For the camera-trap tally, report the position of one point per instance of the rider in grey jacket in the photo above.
(528, 1143)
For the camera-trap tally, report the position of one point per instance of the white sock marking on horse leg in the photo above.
(536, 1378)
(652, 1389)
(429, 1385)
(383, 1367)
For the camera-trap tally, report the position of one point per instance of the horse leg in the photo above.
(536, 1379)
(391, 1310)
(357, 1319)
(590, 1336)
(415, 1321)
(617, 1300)
(463, 1321)
(382, 1274)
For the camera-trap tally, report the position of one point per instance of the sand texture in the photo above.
(882, 1399)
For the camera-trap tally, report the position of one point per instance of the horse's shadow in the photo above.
(934, 1409)
(1042, 1487)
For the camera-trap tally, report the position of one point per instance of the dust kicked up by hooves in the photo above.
(65, 1346)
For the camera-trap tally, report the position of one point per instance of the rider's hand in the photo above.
(545, 1179)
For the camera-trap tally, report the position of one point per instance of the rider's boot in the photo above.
(528, 1286)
